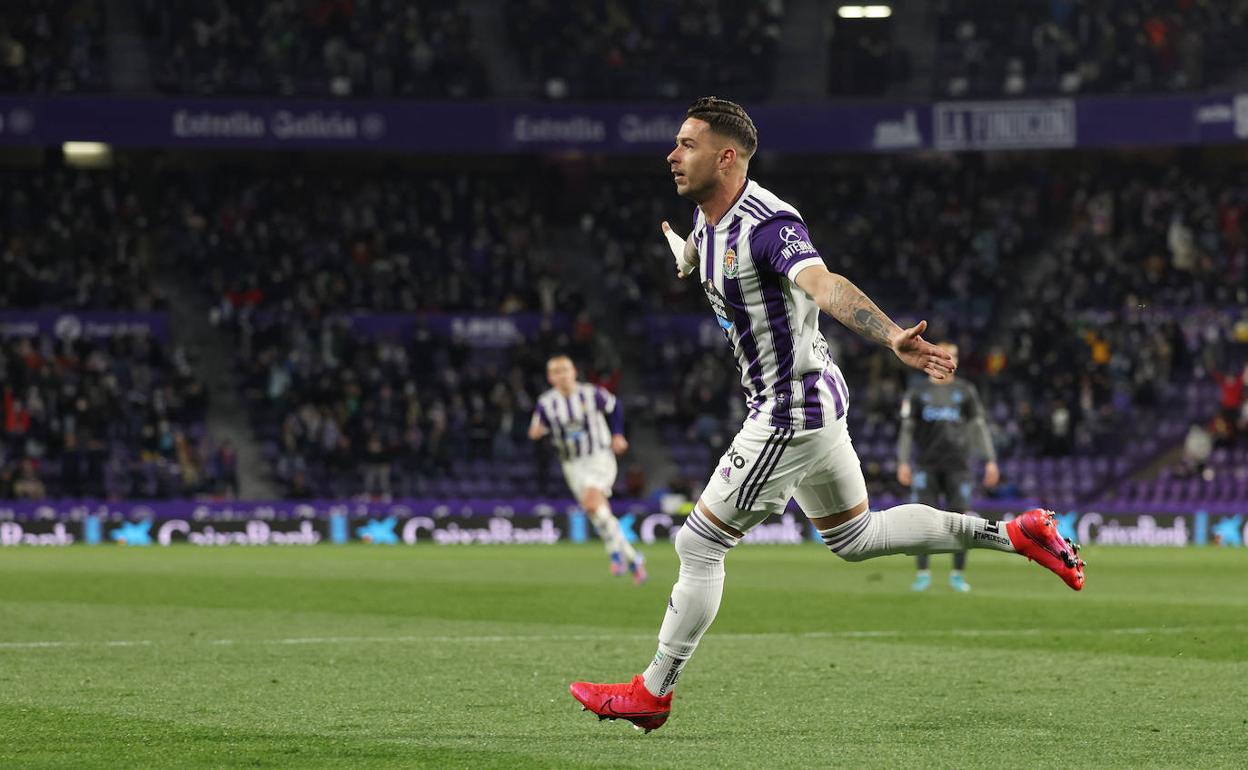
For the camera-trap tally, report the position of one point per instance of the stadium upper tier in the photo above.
(752, 51)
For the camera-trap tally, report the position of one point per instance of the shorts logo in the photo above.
(735, 457)
(730, 264)
(724, 473)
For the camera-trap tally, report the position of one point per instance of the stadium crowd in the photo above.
(108, 416)
(1118, 260)
(75, 240)
(1103, 354)
(335, 48)
(432, 49)
(117, 418)
(343, 408)
(622, 50)
(987, 48)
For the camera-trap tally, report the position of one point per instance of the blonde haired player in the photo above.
(586, 424)
(766, 285)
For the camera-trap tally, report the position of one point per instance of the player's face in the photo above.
(695, 160)
(560, 373)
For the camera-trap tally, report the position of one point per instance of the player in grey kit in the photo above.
(940, 420)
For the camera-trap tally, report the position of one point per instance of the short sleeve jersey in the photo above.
(748, 262)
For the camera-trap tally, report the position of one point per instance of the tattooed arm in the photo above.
(845, 302)
(837, 296)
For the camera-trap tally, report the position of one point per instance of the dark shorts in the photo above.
(943, 489)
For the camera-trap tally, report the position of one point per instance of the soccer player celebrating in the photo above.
(575, 415)
(766, 284)
(940, 419)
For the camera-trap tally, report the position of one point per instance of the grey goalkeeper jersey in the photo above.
(943, 424)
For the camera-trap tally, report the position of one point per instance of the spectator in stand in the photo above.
(225, 468)
(1231, 396)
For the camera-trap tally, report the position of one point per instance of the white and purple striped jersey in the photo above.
(748, 263)
(582, 423)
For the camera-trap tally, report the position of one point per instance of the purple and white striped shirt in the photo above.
(748, 263)
(578, 422)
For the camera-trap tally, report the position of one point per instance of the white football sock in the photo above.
(613, 539)
(701, 547)
(913, 529)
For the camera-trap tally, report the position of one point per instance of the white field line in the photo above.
(507, 638)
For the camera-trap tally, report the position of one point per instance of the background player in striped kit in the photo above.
(586, 424)
(766, 285)
(940, 421)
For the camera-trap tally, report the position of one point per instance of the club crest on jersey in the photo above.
(730, 264)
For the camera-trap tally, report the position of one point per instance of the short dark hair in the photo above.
(727, 119)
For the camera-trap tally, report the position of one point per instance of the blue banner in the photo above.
(509, 127)
(75, 324)
(520, 522)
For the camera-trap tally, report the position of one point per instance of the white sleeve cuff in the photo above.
(798, 267)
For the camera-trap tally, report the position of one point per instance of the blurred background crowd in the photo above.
(1098, 298)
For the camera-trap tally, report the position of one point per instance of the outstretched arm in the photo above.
(837, 296)
(683, 249)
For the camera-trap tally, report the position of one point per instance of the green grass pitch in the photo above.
(361, 656)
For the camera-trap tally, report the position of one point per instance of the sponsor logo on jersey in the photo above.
(718, 304)
(795, 243)
(801, 247)
(941, 414)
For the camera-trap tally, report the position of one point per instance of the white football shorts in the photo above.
(765, 467)
(597, 470)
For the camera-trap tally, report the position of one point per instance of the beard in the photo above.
(695, 193)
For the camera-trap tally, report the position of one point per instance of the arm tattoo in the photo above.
(847, 304)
